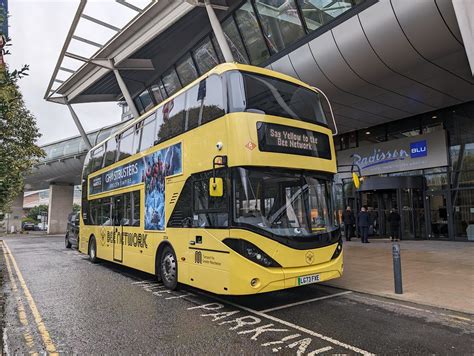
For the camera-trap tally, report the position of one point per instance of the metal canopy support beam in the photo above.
(219, 32)
(85, 40)
(79, 125)
(124, 90)
(99, 22)
(130, 6)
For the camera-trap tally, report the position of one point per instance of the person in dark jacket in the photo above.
(349, 220)
(363, 220)
(394, 222)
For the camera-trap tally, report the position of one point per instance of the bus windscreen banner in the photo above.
(293, 140)
(151, 170)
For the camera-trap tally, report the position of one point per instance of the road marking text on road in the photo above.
(48, 343)
(252, 323)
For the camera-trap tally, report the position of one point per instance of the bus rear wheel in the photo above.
(92, 250)
(169, 268)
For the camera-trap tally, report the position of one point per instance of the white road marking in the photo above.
(304, 302)
(320, 351)
(294, 326)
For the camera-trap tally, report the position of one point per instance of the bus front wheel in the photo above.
(169, 268)
(92, 250)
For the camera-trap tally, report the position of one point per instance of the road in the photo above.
(57, 301)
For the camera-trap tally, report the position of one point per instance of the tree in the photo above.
(18, 133)
(76, 208)
(37, 210)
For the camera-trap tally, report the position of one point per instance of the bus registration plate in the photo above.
(312, 278)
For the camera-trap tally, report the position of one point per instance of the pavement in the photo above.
(57, 301)
(434, 273)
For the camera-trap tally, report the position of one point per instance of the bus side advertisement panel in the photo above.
(150, 170)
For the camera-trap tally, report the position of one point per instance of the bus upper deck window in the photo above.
(236, 92)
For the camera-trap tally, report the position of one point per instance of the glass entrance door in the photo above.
(438, 216)
(387, 201)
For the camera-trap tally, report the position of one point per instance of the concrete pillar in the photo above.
(60, 206)
(218, 32)
(13, 220)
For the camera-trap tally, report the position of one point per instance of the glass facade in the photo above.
(444, 209)
(255, 30)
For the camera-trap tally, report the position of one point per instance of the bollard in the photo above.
(397, 268)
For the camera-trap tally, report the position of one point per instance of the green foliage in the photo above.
(76, 208)
(28, 219)
(37, 210)
(18, 136)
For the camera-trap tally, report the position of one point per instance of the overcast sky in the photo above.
(38, 30)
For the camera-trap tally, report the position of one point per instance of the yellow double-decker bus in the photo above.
(225, 186)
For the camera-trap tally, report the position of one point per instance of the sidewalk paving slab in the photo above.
(434, 273)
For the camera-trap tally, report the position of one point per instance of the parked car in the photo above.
(28, 226)
(72, 232)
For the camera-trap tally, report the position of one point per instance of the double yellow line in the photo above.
(48, 343)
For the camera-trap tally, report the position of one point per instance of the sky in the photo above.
(38, 29)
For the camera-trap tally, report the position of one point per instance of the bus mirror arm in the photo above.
(355, 172)
(330, 109)
(218, 161)
(216, 185)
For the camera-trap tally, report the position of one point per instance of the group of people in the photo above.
(367, 223)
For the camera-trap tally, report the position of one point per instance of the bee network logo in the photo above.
(418, 149)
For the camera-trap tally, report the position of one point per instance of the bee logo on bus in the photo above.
(198, 257)
(309, 257)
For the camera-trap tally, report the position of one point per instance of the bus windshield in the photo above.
(283, 203)
(272, 96)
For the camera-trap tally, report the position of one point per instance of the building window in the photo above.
(206, 57)
(220, 56)
(187, 72)
(281, 23)
(171, 82)
(317, 13)
(251, 34)
(158, 91)
(139, 105)
(146, 100)
(235, 42)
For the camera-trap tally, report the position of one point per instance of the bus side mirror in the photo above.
(356, 180)
(216, 187)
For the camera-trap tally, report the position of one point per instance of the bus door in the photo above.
(207, 255)
(117, 218)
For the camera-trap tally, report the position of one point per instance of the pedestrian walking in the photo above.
(349, 220)
(363, 220)
(394, 222)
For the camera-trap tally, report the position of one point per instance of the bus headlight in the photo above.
(251, 252)
(338, 250)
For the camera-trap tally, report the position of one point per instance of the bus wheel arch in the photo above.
(159, 252)
(169, 267)
(92, 249)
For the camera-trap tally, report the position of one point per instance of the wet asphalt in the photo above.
(108, 309)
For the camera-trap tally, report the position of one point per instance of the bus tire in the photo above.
(169, 268)
(92, 251)
(67, 242)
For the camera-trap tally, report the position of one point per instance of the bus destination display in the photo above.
(293, 140)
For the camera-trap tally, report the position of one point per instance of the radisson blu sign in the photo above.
(406, 154)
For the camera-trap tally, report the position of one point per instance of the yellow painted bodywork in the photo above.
(217, 268)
